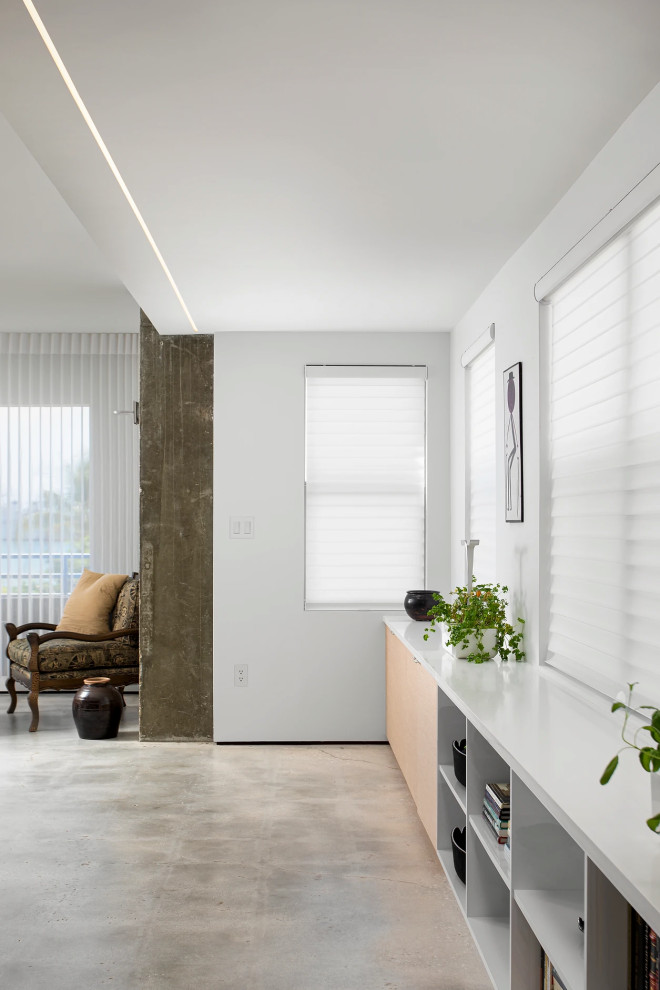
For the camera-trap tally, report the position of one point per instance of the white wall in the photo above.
(313, 675)
(509, 303)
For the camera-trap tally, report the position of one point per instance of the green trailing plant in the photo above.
(649, 756)
(472, 612)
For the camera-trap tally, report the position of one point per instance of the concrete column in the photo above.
(176, 535)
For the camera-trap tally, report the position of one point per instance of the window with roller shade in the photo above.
(365, 485)
(603, 466)
(481, 493)
(68, 467)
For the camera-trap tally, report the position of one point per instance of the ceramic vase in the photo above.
(489, 637)
(418, 603)
(458, 752)
(458, 852)
(97, 708)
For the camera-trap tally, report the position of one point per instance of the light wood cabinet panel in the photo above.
(425, 715)
(397, 702)
(412, 728)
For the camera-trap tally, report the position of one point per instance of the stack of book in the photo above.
(497, 810)
(550, 978)
(644, 955)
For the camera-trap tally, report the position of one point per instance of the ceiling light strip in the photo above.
(55, 55)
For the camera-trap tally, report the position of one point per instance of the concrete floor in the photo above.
(165, 866)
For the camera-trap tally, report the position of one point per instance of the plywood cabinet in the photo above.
(412, 728)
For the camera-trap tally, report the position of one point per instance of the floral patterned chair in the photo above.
(60, 660)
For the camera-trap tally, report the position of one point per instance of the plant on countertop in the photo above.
(649, 756)
(472, 612)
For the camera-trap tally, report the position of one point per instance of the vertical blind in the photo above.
(365, 484)
(604, 465)
(481, 500)
(68, 466)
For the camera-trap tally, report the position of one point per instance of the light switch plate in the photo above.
(241, 527)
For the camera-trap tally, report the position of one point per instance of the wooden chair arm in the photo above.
(84, 637)
(14, 631)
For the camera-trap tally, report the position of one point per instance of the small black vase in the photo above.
(418, 603)
(97, 708)
(458, 852)
(458, 752)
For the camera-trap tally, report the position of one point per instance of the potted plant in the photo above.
(476, 623)
(649, 756)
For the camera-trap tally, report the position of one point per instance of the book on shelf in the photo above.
(495, 815)
(550, 978)
(501, 826)
(499, 794)
(500, 813)
(644, 955)
(499, 835)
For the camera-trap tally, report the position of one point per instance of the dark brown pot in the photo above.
(418, 603)
(97, 708)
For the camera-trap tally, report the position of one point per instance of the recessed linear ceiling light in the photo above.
(55, 55)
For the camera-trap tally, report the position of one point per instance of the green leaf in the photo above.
(654, 823)
(609, 770)
(617, 705)
(648, 758)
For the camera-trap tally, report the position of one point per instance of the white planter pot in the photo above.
(488, 638)
(655, 793)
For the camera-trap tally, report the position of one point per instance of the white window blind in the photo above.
(68, 467)
(481, 485)
(365, 485)
(604, 465)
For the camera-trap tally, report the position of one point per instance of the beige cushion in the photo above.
(91, 602)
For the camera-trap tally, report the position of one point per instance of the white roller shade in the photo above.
(481, 484)
(604, 446)
(68, 466)
(365, 485)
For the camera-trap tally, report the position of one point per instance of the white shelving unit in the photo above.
(446, 772)
(500, 858)
(570, 855)
(484, 898)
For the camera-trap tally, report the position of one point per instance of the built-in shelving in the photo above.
(491, 936)
(553, 917)
(497, 853)
(571, 854)
(446, 858)
(446, 772)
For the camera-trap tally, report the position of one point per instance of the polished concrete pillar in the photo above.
(176, 535)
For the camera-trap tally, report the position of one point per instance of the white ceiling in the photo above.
(52, 275)
(301, 164)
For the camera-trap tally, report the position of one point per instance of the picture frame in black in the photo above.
(513, 444)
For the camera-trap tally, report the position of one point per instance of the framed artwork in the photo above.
(513, 450)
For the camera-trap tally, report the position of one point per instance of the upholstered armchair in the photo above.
(59, 659)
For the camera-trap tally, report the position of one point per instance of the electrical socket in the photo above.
(240, 675)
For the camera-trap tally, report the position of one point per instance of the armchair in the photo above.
(60, 660)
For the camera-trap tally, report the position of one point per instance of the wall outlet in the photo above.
(240, 675)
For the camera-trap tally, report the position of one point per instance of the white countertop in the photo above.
(558, 737)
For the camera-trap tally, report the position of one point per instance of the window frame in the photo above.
(373, 370)
(602, 681)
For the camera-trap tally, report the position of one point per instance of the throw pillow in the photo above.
(91, 602)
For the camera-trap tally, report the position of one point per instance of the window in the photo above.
(44, 499)
(480, 462)
(365, 485)
(603, 498)
(68, 467)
